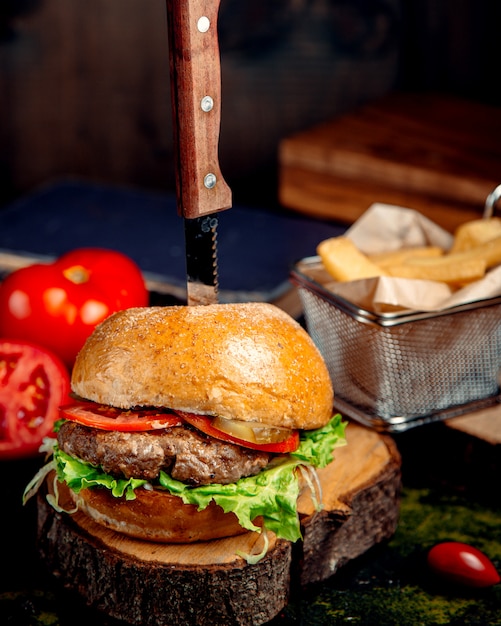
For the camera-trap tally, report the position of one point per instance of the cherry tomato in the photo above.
(460, 563)
(205, 424)
(33, 384)
(105, 417)
(58, 305)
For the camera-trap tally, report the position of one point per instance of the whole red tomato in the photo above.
(58, 305)
(33, 384)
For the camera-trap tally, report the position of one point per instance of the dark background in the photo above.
(84, 86)
(84, 92)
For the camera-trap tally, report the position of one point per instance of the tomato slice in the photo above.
(106, 417)
(33, 384)
(205, 424)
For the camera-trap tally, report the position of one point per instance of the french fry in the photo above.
(490, 251)
(387, 260)
(344, 261)
(475, 233)
(448, 269)
(455, 268)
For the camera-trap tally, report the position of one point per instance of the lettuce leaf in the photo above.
(316, 446)
(79, 475)
(272, 494)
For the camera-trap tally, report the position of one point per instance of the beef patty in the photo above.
(181, 451)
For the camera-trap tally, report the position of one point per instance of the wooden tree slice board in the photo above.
(361, 491)
(207, 583)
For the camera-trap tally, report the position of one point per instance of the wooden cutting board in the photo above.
(152, 584)
(484, 425)
(433, 153)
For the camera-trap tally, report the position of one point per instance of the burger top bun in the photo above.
(249, 362)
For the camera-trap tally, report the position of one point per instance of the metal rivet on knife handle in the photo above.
(207, 104)
(203, 24)
(210, 181)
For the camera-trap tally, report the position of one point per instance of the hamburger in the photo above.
(194, 423)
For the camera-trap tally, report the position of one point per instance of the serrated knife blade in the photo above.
(195, 71)
(201, 259)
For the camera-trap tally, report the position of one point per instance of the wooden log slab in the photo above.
(361, 490)
(150, 584)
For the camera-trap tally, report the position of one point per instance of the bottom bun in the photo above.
(157, 516)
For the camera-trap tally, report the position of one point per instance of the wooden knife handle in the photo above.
(195, 71)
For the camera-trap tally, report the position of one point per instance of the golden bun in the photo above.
(245, 361)
(157, 516)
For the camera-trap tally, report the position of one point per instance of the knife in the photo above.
(195, 72)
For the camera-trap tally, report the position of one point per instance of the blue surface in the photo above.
(255, 248)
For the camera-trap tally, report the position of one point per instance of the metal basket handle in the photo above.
(491, 203)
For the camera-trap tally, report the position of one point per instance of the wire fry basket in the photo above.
(396, 370)
(393, 371)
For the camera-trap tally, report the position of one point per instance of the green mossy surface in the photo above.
(28, 608)
(391, 585)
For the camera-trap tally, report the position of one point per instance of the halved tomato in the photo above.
(33, 384)
(206, 425)
(106, 417)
